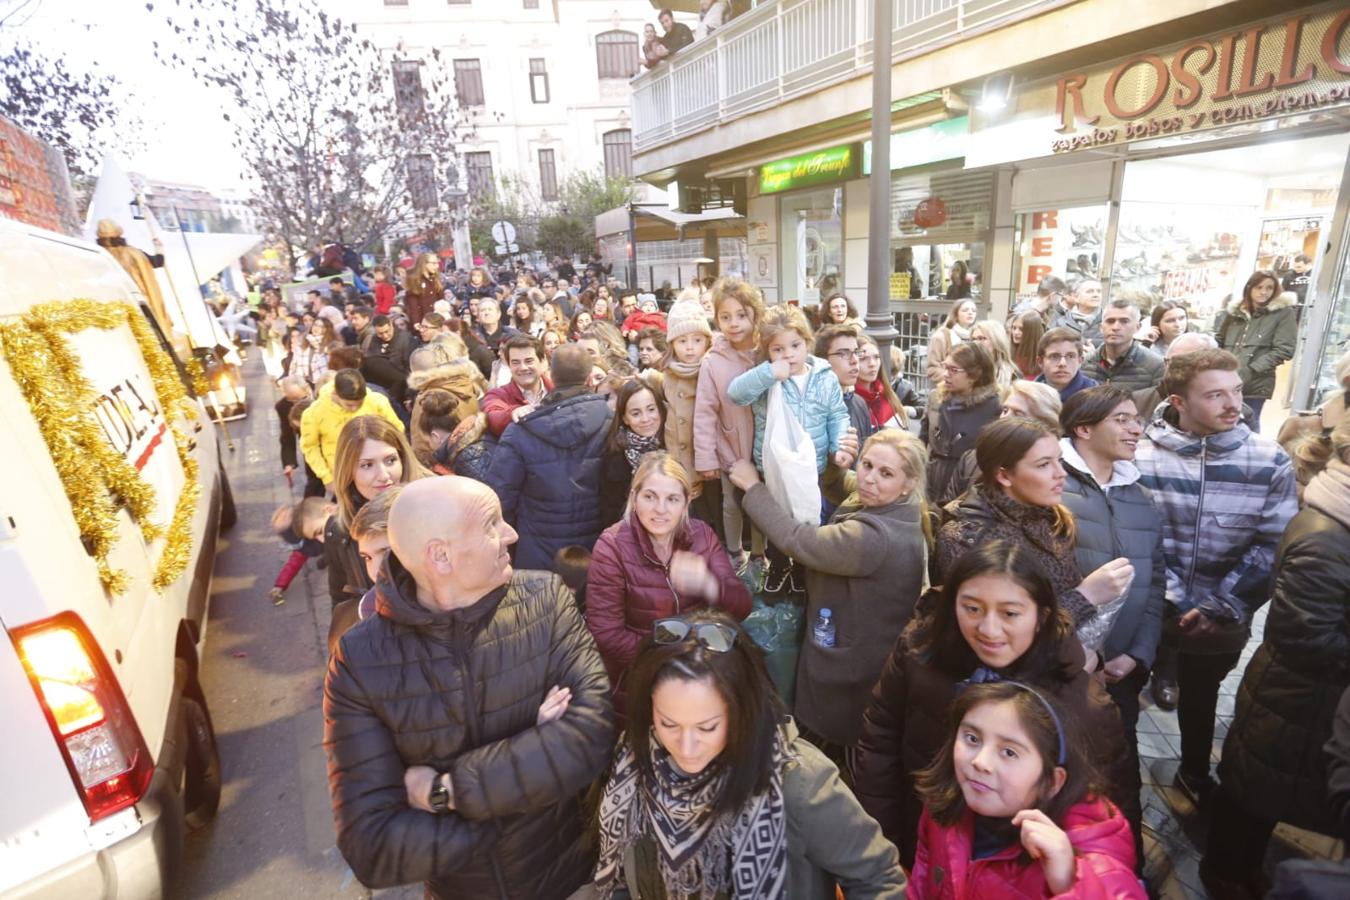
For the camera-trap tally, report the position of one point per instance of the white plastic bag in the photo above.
(1092, 633)
(790, 461)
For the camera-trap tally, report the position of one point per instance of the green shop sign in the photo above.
(807, 169)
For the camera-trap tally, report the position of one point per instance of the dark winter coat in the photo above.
(950, 429)
(1139, 368)
(347, 576)
(460, 692)
(616, 478)
(1110, 524)
(546, 471)
(975, 520)
(1286, 702)
(867, 567)
(628, 588)
(906, 724)
(1260, 341)
(1080, 382)
(468, 454)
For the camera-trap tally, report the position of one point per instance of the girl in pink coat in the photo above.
(1012, 809)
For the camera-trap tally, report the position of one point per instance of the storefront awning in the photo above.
(681, 220)
(656, 222)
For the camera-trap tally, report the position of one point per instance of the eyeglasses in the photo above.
(712, 636)
(1125, 420)
(954, 370)
(845, 354)
(1057, 358)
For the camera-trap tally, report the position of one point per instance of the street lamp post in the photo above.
(880, 322)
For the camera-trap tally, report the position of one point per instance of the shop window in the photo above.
(939, 224)
(618, 145)
(538, 80)
(548, 176)
(616, 54)
(812, 240)
(469, 82)
(1066, 243)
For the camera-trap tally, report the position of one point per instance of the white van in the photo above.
(107, 754)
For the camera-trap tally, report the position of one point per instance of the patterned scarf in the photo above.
(1037, 524)
(699, 853)
(635, 446)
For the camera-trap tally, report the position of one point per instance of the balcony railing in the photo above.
(777, 51)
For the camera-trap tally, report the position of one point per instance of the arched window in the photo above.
(616, 54)
(618, 153)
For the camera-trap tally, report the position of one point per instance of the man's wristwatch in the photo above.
(439, 801)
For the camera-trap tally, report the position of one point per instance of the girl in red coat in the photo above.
(1012, 808)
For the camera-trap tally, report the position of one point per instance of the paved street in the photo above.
(263, 675)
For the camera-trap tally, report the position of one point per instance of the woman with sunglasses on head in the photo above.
(997, 619)
(713, 793)
(653, 563)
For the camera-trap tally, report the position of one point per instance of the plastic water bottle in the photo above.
(823, 632)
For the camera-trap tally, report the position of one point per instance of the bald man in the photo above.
(546, 468)
(464, 719)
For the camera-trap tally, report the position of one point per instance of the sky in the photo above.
(184, 138)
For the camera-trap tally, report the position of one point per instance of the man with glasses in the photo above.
(1114, 517)
(1061, 357)
(1121, 360)
(838, 345)
(466, 718)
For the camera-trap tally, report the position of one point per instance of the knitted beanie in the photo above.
(686, 317)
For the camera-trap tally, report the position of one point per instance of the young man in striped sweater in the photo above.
(1224, 495)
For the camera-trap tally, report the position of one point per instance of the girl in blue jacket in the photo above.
(811, 393)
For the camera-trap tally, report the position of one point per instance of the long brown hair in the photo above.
(1004, 443)
(1024, 353)
(419, 283)
(1049, 725)
(886, 390)
(349, 443)
(1258, 276)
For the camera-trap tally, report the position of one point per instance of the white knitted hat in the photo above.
(686, 317)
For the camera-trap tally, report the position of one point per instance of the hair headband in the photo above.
(984, 675)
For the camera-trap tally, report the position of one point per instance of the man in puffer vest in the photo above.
(1225, 495)
(466, 718)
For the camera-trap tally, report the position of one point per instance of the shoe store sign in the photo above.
(1297, 64)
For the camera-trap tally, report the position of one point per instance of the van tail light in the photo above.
(87, 712)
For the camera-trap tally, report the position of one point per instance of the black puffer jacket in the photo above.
(546, 470)
(906, 724)
(460, 692)
(1273, 756)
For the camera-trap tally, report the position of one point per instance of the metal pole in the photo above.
(880, 322)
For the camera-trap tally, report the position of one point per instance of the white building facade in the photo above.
(544, 84)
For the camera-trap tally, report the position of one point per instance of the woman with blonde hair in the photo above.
(991, 335)
(866, 567)
(424, 287)
(954, 332)
(1033, 400)
(443, 364)
(657, 561)
(372, 456)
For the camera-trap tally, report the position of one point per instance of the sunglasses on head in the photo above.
(712, 636)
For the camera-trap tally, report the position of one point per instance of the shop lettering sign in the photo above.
(1298, 64)
(1180, 284)
(823, 166)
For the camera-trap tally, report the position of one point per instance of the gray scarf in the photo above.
(1329, 492)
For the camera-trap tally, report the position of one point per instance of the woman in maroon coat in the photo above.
(656, 562)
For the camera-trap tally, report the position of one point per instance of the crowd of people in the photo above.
(547, 503)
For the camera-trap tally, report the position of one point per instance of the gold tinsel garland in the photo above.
(96, 479)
